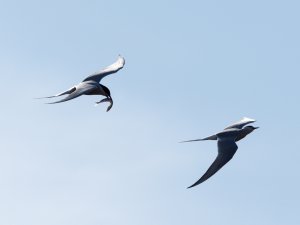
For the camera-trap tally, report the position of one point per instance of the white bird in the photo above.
(91, 85)
(226, 145)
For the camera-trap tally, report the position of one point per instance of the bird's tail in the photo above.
(53, 96)
(212, 137)
(60, 94)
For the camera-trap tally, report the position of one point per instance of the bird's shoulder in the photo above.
(241, 123)
(228, 134)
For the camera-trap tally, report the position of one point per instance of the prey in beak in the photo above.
(107, 99)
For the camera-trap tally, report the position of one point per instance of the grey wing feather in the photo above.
(82, 88)
(226, 150)
(113, 68)
(241, 123)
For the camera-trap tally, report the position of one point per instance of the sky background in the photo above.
(192, 68)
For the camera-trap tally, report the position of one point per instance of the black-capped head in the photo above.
(106, 90)
(244, 132)
(250, 128)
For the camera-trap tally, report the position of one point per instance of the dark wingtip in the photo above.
(192, 186)
(197, 183)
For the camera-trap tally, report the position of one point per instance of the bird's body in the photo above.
(227, 147)
(91, 85)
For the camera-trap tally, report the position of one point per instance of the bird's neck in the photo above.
(243, 133)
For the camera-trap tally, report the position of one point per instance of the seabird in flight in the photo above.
(91, 85)
(227, 146)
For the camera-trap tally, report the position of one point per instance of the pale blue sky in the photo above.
(192, 68)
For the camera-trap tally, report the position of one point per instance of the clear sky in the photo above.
(192, 68)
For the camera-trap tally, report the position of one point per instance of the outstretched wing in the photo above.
(240, 124)
(82, 88)
(113, 68)
(226, 150)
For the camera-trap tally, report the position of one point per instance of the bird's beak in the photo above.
(111, 104)
(256, 127)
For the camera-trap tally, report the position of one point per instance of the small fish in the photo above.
(106, 100)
